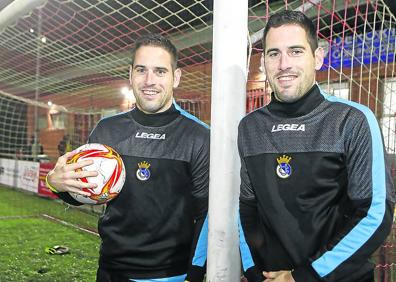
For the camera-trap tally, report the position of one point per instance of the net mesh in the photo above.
(82, 47)
(63, 65)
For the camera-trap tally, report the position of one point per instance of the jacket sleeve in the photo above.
(370, 191)
(200, 193)
(247, 223)
(67, 198)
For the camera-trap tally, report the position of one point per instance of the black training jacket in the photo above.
(316, 196)
(157, 225)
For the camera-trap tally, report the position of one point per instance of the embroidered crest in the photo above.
(143, 173)
(283, 169)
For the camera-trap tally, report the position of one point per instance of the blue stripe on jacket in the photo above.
(367, 226)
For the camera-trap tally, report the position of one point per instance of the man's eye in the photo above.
(273, 54)
(296, 52)
(140, 70)
(160, 72)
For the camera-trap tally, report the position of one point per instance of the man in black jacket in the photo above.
(156, 229)
(316, 196)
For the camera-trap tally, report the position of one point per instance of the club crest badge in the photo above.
(143, 173)
(283, 169)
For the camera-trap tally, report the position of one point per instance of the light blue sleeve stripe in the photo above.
(201, 249)
(246, 256)
(188, 115)
(202, 244)
(362, 232)
(179, 278)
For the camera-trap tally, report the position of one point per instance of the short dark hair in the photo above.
(156, 40)
(292, 17)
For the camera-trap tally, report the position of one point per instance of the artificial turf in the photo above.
(25, 232)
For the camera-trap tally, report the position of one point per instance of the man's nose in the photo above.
(284, 62)
(149, 77)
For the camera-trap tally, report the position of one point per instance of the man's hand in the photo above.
(278, 276)
(64, 177)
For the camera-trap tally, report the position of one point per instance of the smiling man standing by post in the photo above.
(316, 196)
(156, 229)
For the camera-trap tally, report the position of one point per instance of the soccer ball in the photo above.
(111, 173)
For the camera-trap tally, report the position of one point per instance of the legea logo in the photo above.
(288, 127)
(146, 135)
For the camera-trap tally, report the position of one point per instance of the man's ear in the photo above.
(319, 57)
(176, 77)
(262, 64)
(130, 74)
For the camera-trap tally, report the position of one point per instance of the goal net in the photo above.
(64, 65)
